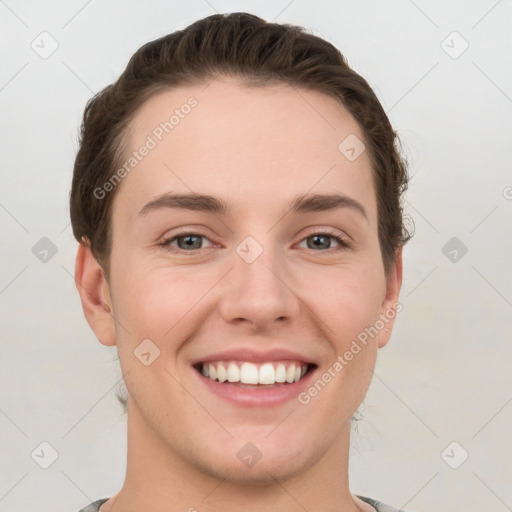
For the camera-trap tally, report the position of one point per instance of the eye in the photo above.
(319, 241)
(185, 242)
(191, 242)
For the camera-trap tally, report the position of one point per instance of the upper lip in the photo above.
(254, 356)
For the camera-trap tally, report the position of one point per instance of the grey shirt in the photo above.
(377, 505)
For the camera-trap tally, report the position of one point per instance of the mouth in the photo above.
(246, 374)
(244, 377)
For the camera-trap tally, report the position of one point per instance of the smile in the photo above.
(243, 372)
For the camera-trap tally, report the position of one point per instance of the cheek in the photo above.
(156, 303)
(348, 300)
(348, 306)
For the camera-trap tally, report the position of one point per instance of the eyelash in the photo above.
(343, 243)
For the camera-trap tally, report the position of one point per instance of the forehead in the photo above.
(228, 139)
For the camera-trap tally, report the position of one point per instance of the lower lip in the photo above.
(254, 397)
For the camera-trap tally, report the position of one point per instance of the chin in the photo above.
(246, 463)
(263, 473)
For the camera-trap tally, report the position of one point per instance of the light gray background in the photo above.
(445, 375)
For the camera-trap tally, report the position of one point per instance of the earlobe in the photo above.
(390, 305)
(94, 294)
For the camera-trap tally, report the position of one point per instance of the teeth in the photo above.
(290, 374)
(233, 373)
(281, 373)
(222, 374)
(249, 373)
(267, 374)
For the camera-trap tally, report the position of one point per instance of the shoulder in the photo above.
(379, 506)
(95, 506)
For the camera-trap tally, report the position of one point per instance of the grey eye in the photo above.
(320, 241)
(189, 241)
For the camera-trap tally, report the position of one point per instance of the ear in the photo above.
(94, 293)
(390, 305)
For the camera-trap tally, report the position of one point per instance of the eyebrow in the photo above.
(205, 203)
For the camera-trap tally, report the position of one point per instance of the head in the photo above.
(245, 117)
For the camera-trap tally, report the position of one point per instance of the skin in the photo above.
(257, 148)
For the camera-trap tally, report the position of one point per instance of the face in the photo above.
(258, 281)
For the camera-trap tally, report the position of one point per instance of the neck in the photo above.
(159, 479)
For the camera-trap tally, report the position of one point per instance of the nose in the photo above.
(259, 293)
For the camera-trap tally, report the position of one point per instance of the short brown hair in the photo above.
(257, 53)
